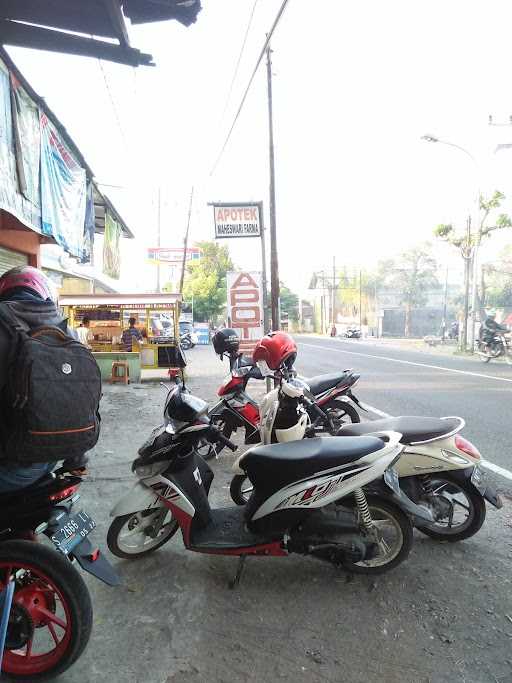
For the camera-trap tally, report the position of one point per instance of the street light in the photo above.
(474, 292)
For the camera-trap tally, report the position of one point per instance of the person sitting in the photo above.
(130, 334)
(491, 328)
(32, 298)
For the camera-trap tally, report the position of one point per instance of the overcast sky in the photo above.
(356, 84)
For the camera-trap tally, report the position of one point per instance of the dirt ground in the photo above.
(444, 616)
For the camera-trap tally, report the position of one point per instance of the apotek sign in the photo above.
(245, 305)
(237, 220)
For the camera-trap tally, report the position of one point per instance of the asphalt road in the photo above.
(403, 382)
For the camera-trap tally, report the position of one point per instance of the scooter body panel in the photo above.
(441, 455)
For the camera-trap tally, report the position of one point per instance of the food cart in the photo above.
(156, 316)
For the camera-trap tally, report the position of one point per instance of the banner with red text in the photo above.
(245, 307)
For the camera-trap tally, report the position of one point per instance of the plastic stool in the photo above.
(120, 372)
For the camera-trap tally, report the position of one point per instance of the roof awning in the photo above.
(125, 300)
(55, 25)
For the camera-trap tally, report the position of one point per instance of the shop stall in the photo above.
(156, 317)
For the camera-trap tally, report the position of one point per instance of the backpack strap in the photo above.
(10, 321)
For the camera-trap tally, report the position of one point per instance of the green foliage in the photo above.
(498, 279)
(413, 274)
(205, 280)
(289, 302)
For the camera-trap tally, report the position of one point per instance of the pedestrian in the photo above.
(84, 332)
(333, 330)
(130, 334)
(62, 404)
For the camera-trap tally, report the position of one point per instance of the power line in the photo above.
(114, 106)
(239, 59)
(261, 55)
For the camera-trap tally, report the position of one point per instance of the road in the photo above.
(402, 382)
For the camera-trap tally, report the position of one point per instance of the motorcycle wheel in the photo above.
(396, 531)
(240, 489)
(50, 620)
(468, 513)
(128, 539)
(340, 412)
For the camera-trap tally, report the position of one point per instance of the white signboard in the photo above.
(237, 220)
(245, 307)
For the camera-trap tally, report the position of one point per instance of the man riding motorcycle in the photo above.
(31, 296)
(490, 328)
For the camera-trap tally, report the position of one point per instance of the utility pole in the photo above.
(185, 242)
(443, 335)
(467, 253)
(274, 267)
(266, 326)
(333, 290)
(360, 302)
(158, 239)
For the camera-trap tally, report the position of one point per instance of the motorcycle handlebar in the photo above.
(219, 436)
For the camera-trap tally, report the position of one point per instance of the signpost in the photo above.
(244, 219)
(245, 307)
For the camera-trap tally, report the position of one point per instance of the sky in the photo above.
(355, 86)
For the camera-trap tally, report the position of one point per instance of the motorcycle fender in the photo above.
(236, 468)
(94, 562)
(140, 497)
(487, 492)
(398, 496)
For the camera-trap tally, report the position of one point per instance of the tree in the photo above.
(466, 241)
(412, 274)
(497, 281)
(289, 302)
(205, 280)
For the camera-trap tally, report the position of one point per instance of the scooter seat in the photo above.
(413, 429)
(273, 466)
(321, 383)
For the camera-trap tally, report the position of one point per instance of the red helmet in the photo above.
(275, 349)
(28, 278)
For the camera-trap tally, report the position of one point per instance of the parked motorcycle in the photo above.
(50, 619)
(500, 345)
(187, 340)
(308, 497)
(331, 393)
(441, 469)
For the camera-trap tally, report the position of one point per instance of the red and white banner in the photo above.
(245, 307)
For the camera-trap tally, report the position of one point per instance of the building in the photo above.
(47, 190)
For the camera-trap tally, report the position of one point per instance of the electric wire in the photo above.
(263, 50)
(114, 106)
(239, 59)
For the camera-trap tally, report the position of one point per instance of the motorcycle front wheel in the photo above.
(460, 509)
(50, 620)
(132, 536)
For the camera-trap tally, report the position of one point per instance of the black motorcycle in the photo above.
(50, 619)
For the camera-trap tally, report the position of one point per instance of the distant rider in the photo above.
(491, 328)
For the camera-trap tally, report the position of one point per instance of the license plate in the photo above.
(72, 531)
(478, 479)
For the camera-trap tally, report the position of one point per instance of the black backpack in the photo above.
(50, 403)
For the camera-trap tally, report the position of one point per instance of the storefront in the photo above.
(156, 317)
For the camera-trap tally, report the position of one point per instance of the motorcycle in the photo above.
(50, 619)
(441, 469)
(331, 393)
(497, 346)
(438, 468)
(308, 497)
(187, 341)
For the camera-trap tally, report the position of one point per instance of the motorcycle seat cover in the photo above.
(284, 463)
(321, 383)
(413, 429)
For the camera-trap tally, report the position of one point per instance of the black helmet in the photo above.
(226, 341)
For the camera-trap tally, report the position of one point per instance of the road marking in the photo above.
(410, 362)
(485, 463)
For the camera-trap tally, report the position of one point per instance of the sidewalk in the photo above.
(439, 617)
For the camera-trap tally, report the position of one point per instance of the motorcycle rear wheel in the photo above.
(240, 489)
(340, 412)
(50, 620)
(389, 519)
(474, 505)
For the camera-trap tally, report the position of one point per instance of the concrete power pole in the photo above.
(159, 239)
(274, 264)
